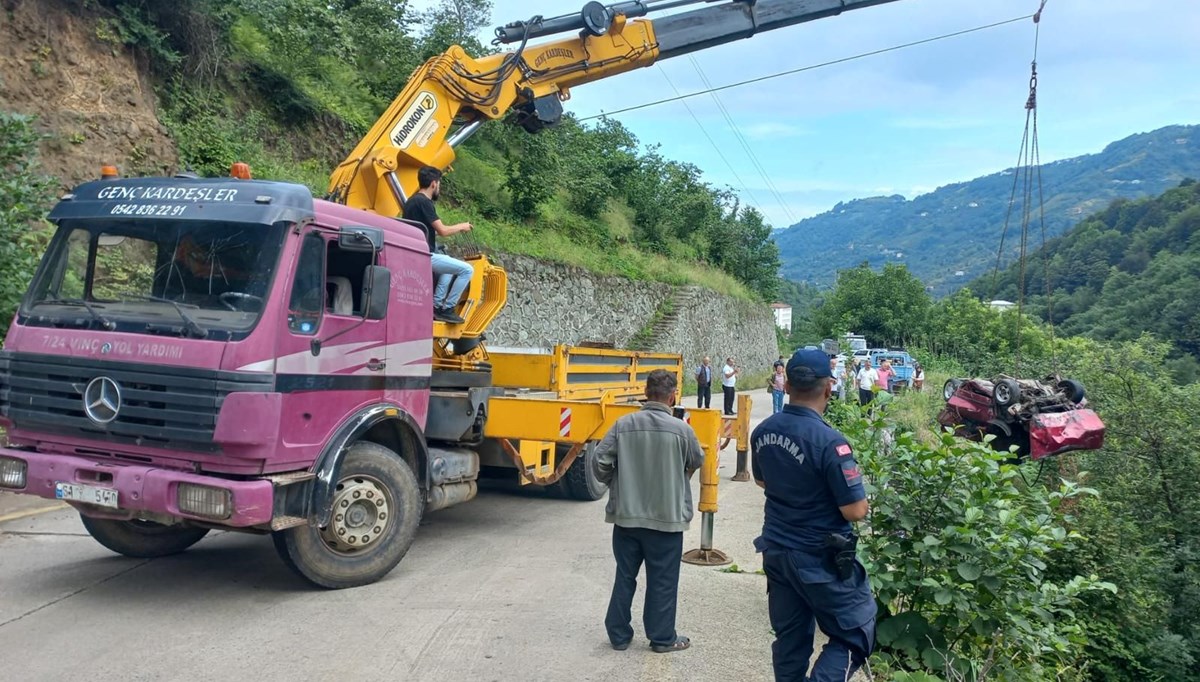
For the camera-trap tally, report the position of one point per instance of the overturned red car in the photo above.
(1041, 418)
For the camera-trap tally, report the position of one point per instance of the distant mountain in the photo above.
(951, 235)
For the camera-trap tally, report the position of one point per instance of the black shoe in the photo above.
(447, 315)
(679, 644)
(621, 647)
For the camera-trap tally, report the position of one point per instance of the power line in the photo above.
(762, 172)
(809, 68)
(721, 154)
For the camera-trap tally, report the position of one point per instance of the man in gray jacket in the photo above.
(648, 459)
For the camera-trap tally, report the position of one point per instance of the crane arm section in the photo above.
(454, 90)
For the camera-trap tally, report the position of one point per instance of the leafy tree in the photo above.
(24, 199)
(742, 246)
(455, 22)
(529, 176)
(887, 307)
(1145, 526)
(984, 340)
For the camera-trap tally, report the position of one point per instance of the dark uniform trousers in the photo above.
(662, 553)
(802, 592)
(703, 395)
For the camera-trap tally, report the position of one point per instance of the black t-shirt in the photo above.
(419, 208)
(810, 471)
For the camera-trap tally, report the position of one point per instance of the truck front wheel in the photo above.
(377, 507)
(142, 539)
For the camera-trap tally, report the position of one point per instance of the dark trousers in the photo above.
(662, 553)
(802, 594)
(865, 396)
(730, 394)
(703, 395)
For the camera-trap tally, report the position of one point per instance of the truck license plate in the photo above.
(105, 497)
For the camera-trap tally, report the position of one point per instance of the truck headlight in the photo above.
(206, 501)
(12, 473)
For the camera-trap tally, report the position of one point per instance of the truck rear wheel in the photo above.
(377, 507)
(580, 482)
(142, 539)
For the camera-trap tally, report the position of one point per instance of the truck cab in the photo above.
(190, 349)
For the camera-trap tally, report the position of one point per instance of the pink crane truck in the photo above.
(197, 354)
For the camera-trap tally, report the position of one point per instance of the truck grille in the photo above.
(158, 406)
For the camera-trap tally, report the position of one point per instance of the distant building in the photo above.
(1001, 305)
(783, 316)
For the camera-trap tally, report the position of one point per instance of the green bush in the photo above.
(957, 551)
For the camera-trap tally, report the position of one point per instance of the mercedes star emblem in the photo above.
(102, 400)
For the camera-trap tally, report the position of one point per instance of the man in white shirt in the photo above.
(728, 383)
(867, 376)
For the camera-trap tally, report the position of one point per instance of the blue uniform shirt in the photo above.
(810, 471)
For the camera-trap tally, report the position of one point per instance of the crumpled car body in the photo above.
(1041, 418)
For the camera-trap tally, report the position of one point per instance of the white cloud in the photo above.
(772, 129)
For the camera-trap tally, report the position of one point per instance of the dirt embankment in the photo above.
(88, 93)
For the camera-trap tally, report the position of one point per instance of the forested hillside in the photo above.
(289, 85)
(957, 228)
(1131, 268)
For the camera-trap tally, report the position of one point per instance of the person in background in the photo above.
(867, 376)
(776, 386)
(704, 384)
(918, 376)
(729, 375)
(839, 378)
(884, 376)
(648, 459)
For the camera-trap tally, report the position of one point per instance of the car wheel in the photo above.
(1072, 389)
(950, 387)
(1006, 392)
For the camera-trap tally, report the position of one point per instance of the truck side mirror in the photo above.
(377, 288)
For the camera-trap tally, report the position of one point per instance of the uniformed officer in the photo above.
(814, 492)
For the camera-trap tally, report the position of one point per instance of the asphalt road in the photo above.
(511, 586)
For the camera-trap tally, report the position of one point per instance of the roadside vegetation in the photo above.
(1079, 568)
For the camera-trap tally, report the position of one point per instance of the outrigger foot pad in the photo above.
(706, 557)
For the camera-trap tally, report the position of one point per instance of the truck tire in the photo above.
(580, 481)
(377, 507)
(142, 539)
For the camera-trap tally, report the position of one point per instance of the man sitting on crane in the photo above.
(453, 275)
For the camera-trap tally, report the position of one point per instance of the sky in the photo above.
(908, 121)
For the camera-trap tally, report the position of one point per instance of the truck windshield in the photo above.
(186, 277)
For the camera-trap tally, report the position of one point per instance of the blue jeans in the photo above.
(449, 270)
(776, 401)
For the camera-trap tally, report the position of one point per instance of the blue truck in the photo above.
(902, 364)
